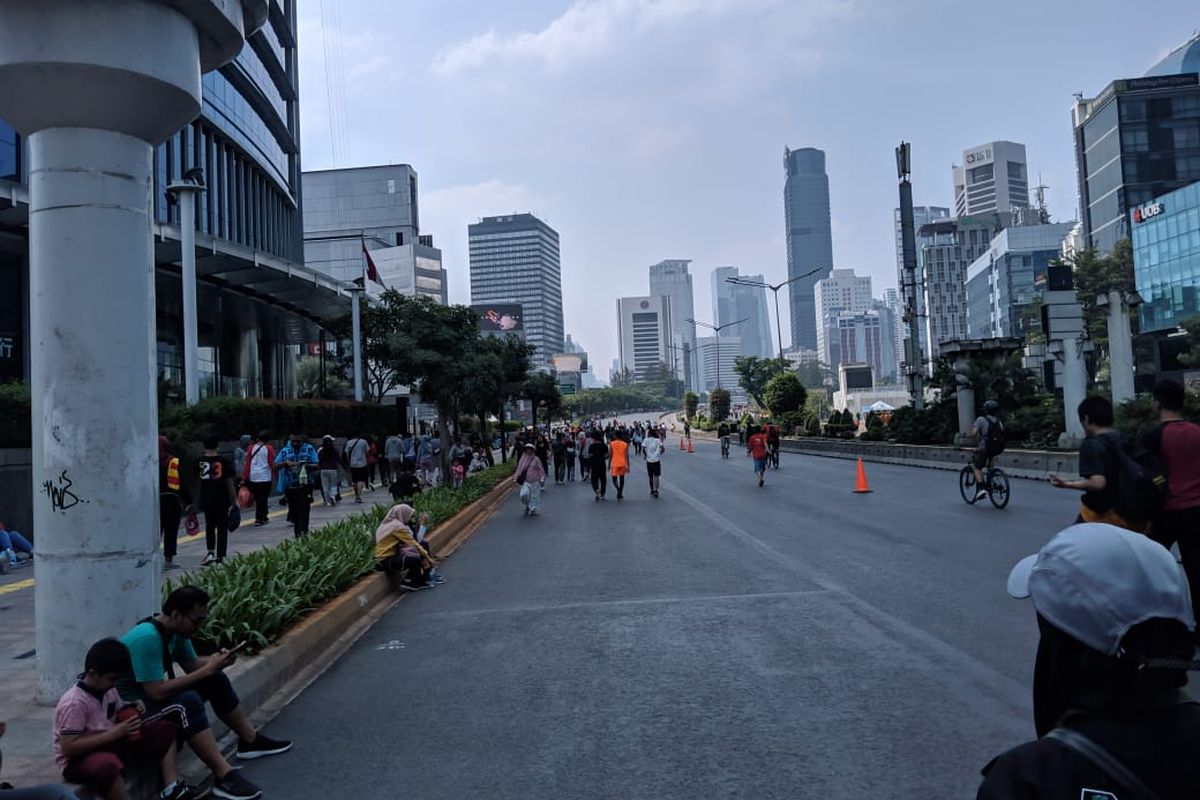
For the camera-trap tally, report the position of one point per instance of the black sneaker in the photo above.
(234, 787)
(181, 791)
(262, 745)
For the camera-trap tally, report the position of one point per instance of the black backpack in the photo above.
(993, 440)
(1139, 493)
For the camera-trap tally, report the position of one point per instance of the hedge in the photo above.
(229, 417)
(257, 596)
(15, 414)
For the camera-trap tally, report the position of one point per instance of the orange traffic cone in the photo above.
(860, 483)
(691, 449)
(681, 443)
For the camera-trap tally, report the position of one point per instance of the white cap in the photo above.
(1095, 581)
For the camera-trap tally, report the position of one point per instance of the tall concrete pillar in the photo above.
(94, 86)
(1074, 390)
(965, 394)
(1120, 348)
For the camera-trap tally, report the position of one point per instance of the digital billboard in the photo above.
(500, 318)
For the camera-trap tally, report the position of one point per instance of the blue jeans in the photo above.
(12, 540)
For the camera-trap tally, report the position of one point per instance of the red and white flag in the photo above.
(372, 273)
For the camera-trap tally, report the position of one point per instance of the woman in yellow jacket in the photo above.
(402, 554)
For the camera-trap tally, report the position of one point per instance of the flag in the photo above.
(372, 273)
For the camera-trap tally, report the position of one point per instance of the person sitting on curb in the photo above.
(47, 791)
(96, 739)
(158, 642)
(12, 543)
(1116, 623)
(403, 554)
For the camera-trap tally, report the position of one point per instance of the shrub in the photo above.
(15, 415)
(257, 596)
(230, 417)
(1035, 426)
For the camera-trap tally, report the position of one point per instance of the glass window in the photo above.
(10, 153)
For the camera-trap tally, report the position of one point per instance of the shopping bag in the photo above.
(192, 525)
(245, 499)
(235, 518)
(525, 494)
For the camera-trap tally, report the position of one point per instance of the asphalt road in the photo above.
(795, 641)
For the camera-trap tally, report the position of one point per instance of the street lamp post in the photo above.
(717, 329)
(774, 287)
(184, 192)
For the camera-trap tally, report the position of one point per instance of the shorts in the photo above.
(359, 474)
(979, 459)
(760, 465)
(654, 468)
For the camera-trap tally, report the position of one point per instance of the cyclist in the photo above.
(723, 432)
(988, 432)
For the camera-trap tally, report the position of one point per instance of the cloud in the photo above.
(589, 27)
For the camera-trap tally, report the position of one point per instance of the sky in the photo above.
(650, 129)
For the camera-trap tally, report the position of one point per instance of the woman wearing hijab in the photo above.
(531, 473)
(401, 553)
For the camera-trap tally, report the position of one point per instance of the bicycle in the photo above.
(995, 484)
(724, 447)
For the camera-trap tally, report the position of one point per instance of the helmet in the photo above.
(991, 407)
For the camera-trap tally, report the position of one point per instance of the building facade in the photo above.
(993, 177)
(515, 259)
(644, 335)
(671, 279)
(732, 302)
(1004, 281)
(809, 233)
(1137, 140)
(377, 208)
(863, 338)
(717, 354)
(1166, 258)
(842, 291)
(953, 246)
(257, 303)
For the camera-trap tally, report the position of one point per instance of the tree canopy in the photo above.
(755, 373)
(784, 394)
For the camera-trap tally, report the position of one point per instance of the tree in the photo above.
(814, 374)
(541, 390)
(1096, 275)
(308, 380)
(624, 377)
(691, 401)
(718, 404)
(378, 323)
(784, 394)
(755, 373)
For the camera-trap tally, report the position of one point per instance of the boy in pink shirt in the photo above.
(94, 737)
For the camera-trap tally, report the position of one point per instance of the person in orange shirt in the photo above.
(619, 462)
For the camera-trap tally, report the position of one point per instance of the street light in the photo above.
(774, 287)
(184, 193)
(717, 329)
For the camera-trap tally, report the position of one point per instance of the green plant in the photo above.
(691, 401)
(230, 417)
(255, 597)
(784, 394)
(718, 404)
(754, 374)
(15, 415)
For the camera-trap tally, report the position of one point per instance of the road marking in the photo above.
(16, 587)
(642, 601)
(394, 644)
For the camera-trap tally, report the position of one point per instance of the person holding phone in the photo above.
(156, 644)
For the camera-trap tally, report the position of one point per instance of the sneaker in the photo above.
(258, 523)
(979, 495)
(436, 579)
(170, 565)
(209, 558)
(358, 499)
(415, 587)
(760, 483)
(234, 787)
(181, 791)
(262, 745)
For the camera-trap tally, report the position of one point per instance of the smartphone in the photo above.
(237, 647)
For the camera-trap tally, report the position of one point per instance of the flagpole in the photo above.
(356, 327)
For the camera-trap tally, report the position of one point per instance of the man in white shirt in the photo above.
(355, 453)
(653, 450)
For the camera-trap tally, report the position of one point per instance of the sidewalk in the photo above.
(27, 744)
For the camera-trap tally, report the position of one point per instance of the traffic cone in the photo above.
(681, 447)
(691, 449)
(860, 483)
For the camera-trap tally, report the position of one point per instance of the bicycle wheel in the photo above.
(966, 485)
(998, 488)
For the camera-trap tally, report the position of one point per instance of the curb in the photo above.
(267, 682)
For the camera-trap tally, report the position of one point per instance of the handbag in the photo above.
(245, 499)
(192, 524)
(521, 477)
(525, 494)
(235, 518)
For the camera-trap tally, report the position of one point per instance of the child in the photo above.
(94, 739)
(458, 471)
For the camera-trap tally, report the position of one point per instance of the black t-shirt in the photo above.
(597, 453)
(215, 474)
(1157, 745)
(406, 485)
(1098, 455)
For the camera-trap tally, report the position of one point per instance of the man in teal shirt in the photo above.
(156, 645)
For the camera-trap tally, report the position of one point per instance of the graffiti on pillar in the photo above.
(61, 496)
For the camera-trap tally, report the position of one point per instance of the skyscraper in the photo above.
(993, 177)
(809, 236)
(644, 334)
(672, 280)
(841, 292)
(732, 302)
(514, 259)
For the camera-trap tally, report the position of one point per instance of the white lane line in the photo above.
(645, 601)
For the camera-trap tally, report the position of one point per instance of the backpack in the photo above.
(1138, 495)
(993, 440)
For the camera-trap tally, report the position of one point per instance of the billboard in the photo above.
(500, 318)
(570, 362)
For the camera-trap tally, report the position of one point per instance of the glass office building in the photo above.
(1166, 258)
(1137, 140)
(257, 302)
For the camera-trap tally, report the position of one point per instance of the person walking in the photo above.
(570, 450)
(257, 471)
(300, 461)
(356, 455)
(581, 448)
(558, 451)
(329, 461)
(619, 462)
(757, 449)
(1176, 443)
(218, 494)
(1099, 467)
(531, 474)
(173, 497)
(653, 450)
(597, 454)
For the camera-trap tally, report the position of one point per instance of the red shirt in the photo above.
(758, 446)
(1181, 456)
